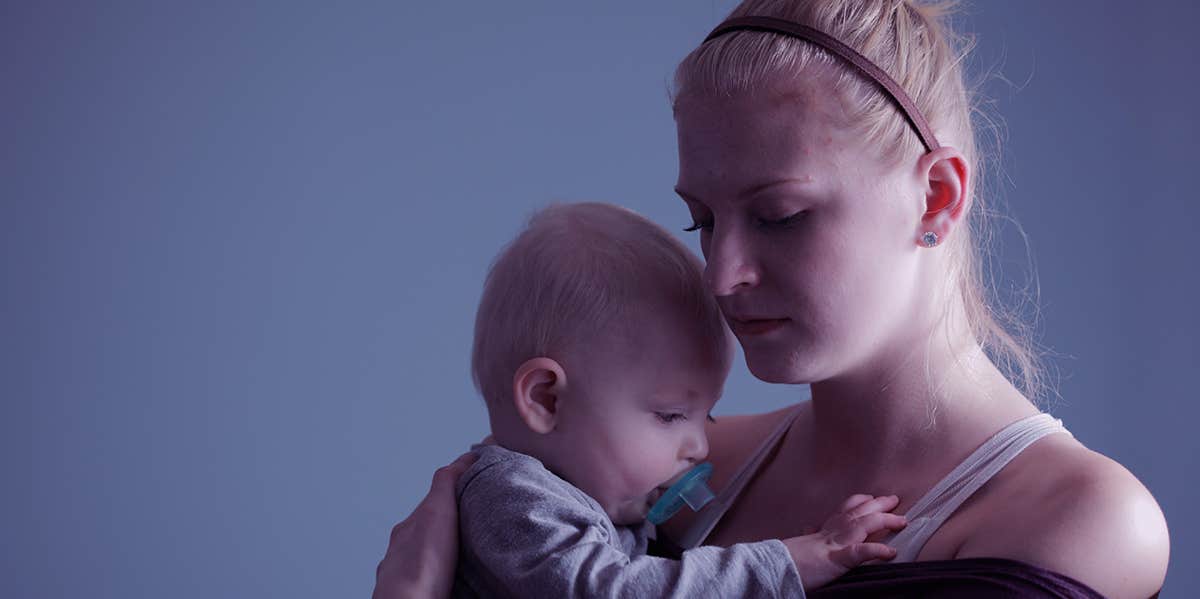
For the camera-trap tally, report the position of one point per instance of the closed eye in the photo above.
(668, 417)
(791, 219)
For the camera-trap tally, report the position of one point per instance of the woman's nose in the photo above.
(728, 265)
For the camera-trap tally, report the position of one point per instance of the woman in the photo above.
(828, 161)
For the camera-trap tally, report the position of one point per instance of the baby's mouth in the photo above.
(655, 494)
(674, 479)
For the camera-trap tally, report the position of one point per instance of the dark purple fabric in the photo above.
(985, 578)
(982, 577)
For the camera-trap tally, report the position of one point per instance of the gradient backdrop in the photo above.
(241, 246)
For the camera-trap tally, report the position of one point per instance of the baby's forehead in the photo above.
(678, 378)
(665, 337)
(688, 393)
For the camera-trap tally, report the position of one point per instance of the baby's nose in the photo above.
(695, 447)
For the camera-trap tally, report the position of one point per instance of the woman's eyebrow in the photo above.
(756, 188)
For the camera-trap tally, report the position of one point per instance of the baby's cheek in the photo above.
(654, 470)
(646, 460)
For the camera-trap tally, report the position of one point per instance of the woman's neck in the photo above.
(923, 405)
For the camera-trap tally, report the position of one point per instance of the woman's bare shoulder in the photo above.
(1077, 512)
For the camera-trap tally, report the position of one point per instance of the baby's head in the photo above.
(599, 351)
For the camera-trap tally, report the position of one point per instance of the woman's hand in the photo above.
(423, 549)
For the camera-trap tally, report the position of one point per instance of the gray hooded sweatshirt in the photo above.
(525, 532)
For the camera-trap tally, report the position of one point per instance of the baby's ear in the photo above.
(536, 389)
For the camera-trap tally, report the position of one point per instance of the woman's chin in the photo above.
(770, 369)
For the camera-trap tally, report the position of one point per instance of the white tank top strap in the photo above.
(708, 517)
(928, 514)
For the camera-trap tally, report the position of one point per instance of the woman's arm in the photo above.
(423, 548)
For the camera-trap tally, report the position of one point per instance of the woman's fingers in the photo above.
(449, 473)
(440, 499)
(422, 549)
(437, 505)
(398, 535)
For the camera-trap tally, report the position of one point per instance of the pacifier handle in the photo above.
(691, 490)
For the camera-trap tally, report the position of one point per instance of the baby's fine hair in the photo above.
(575, 277)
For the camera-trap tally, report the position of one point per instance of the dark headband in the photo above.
(836, 47)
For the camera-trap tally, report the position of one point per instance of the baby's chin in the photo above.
(630, 513)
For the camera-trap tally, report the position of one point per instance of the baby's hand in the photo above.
(838, 546)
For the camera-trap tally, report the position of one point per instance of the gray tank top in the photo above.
(927, 514)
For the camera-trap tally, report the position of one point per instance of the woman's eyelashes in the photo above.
(699, 224)
(786, 221)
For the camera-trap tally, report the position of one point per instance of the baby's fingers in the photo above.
(873, 523)
(857, 530)
(879, 504)
(860, 553)
(854, 501)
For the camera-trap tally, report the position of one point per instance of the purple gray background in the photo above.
(241, 246)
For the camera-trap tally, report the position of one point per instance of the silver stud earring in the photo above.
(929, 238)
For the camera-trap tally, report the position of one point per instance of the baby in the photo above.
(599, 354)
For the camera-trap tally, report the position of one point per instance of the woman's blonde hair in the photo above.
(913, 42)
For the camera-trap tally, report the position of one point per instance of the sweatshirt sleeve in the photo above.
(525, 533)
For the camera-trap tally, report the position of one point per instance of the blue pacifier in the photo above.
(691, 489)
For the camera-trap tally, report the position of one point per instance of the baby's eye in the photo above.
(668, 417)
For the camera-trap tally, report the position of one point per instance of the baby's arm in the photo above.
(525, 535)
(525, 532)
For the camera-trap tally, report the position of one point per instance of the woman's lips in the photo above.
(756, 326)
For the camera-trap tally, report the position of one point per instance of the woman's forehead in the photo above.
(742, 140)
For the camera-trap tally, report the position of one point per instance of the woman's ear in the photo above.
(947, 181)
(537, 386)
